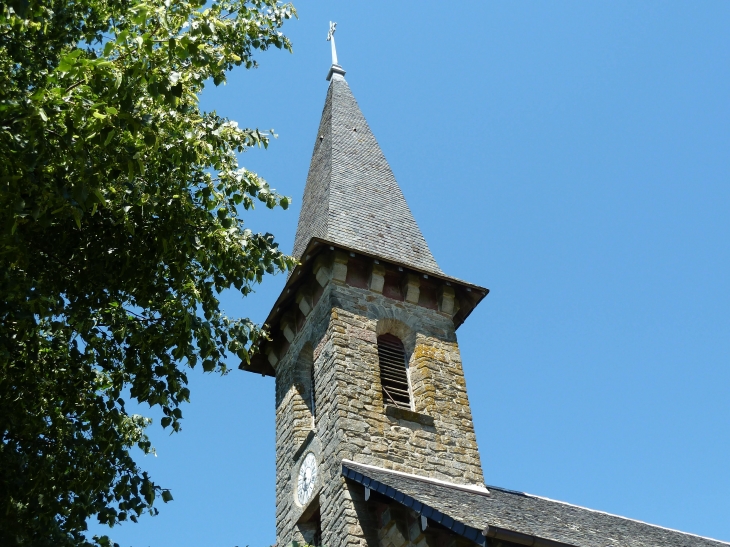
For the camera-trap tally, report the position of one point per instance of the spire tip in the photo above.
(335, 68)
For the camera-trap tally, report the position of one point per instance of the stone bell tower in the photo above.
(375, 444)
(363, 345)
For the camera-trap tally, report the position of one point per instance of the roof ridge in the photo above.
(526, 494)
(472, 488)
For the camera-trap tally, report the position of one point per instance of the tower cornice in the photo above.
(325, 261)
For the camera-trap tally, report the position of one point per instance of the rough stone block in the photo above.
(322, 269)
(288, 326)
(339, 267)
(271, 355)
(304, 300)
(408, 415)
(391, 536)
(414, 531)
(411, 288)
(377, 278)
(446, 300)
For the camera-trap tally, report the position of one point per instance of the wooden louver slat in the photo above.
(393, 375)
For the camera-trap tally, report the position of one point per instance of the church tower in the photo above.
(363, 345)
(375, 444)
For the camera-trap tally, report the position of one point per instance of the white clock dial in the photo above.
(307, 478)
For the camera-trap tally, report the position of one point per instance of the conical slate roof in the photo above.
(351, 197)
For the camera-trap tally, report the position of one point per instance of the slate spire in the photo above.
(351, 198)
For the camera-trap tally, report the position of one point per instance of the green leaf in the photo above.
(244, 355)
(99, 195)
(108, 48)
(166, 496)
(76, 214)
(109, 137)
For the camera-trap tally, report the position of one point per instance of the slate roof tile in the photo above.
(532, 515)
(351, 197)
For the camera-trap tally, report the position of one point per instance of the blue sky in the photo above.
(574, 157)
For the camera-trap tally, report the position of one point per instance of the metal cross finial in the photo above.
(331, 38)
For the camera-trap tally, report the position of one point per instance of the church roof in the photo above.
(351, 198)
(515, 516)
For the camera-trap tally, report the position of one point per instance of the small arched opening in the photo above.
(394, 371)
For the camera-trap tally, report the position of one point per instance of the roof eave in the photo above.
(456, 526)
(317, 245)
(259, 363)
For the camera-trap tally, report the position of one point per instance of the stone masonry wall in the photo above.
(292, 425)
(401, 527)
(351, 420)
(448, 449)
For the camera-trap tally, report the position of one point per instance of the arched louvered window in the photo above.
(393, 371)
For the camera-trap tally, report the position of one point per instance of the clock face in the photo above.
(307, 478)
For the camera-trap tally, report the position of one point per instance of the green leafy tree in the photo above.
(119, 226)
